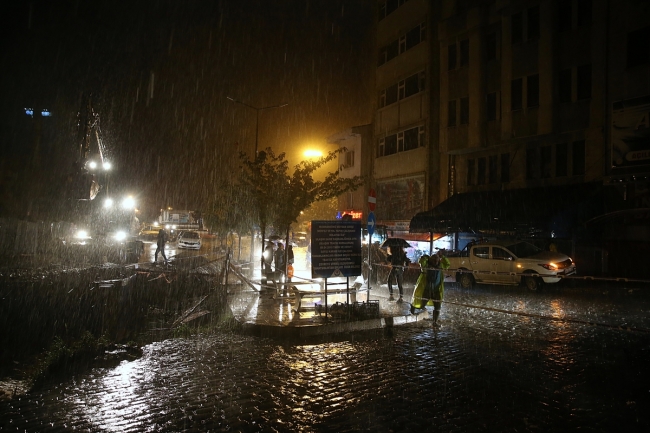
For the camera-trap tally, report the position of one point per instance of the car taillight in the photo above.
(549, 266)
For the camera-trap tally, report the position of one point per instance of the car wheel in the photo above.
(465, 280)
(533, 283)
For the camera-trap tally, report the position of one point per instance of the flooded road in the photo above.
(565, 364)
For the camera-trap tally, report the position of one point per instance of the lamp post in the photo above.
(257, 115)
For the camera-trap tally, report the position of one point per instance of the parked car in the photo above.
(509, 262)
(189, 239)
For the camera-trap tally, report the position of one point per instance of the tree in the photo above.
(279, 198)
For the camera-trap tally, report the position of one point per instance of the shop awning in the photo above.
(531, 211)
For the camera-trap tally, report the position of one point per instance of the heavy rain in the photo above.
(167, 171)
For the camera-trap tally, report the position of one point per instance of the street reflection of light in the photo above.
(557, 310)
(121, 399)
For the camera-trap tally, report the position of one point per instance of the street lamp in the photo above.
(257, 115)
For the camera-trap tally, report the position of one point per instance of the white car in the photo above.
(509, 262)
(189, 240)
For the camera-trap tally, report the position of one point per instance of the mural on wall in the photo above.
(400, 199)
(631, 132)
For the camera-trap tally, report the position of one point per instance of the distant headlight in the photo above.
(81, 234)
(119, 235)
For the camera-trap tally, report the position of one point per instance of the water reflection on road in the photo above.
(483, 371)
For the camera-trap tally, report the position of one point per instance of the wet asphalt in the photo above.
(570, 358)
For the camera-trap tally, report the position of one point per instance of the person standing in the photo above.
(397, 259)
(160, 242)
(268, 258)
(290, 260)
(279, 259)
(435, 284)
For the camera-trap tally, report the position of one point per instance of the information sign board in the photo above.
(335, 249)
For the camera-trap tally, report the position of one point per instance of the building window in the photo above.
(451, 57)
(532, 163)
(349, 159)
(491, 109)
(402, 44)
(400, 141)
(381, 147)
(584, 82)
(482, 169)
(561, 159)
(415, 36)
(390, 147)
(464, 52)
(547, 161)
(411, 137)
(491, 46)
(392, 50)
(451, 113)
(382, 98)
(564, 16)
(578, 153)
(470, 172)
(516, 96)
(412, 84)
(532, 90)
(464, 111)
(492, 173)
(400, 90)
(391, 94)
(564, 85)
(584, 12)
(533, 23)
(638, 47)
(505, 167)
(517, 30)
(421, 136)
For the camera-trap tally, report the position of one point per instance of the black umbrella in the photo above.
(395, 242)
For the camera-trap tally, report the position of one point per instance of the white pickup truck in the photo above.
(508, 262)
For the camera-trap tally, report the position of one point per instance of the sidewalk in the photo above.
(269, 312)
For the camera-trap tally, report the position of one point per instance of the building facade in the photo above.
(406, 168)
(494, 95)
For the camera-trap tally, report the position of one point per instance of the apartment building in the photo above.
(538, 99)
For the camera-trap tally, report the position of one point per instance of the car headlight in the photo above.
(120, 235)
(81, 234)
(549, 266)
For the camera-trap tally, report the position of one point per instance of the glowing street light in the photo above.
(312, 153)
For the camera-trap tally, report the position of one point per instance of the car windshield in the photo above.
(524, 249)
(190, 235)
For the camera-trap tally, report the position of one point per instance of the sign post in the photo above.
(372, 202)
(371, 229)
(335, 250)
(372, 199)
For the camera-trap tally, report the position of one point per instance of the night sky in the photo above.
(159, 73)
